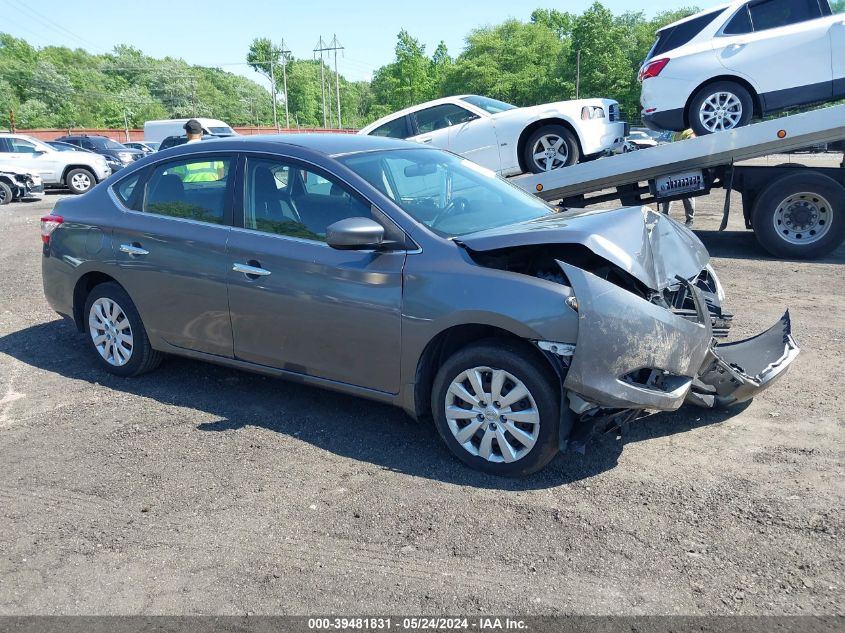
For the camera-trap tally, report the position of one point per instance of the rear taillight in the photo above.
(652, 69)
(49, 223)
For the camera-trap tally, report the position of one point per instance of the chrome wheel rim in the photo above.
(550, 152)
(110, 332)
(803, 218)
(2, 195)
(492, 414)
(720, 111)
(80, 182)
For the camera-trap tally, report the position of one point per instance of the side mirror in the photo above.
(355, 234)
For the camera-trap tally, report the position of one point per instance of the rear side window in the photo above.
(771, 14)
(739, 24)
(397, 128)
(676, 36)
(192, 188)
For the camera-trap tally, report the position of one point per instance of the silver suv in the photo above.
(78, 171)
(405, 274)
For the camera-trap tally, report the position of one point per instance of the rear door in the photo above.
(302, 306)
(837, 53)
(782, 47)
(170, 242)
(450, 126)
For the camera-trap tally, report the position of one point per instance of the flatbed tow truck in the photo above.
(795, 211)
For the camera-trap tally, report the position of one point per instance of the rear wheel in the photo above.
(116, 333)
(5, 193)
(722, 105)
(550, 147)
(801, 215)
(497, 408)
(80, 180)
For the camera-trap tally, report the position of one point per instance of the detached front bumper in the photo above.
(736, 372)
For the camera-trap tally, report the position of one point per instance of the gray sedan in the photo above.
(406, 275)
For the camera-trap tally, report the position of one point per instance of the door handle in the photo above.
(131, 249)
(250, 271)
(426, 139)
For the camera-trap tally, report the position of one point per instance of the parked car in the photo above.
(717, 69)
(641, 140)
(181, 139)
(78, 171)
(113, 163)
(407, 275)
(119, 154)
(18, 184)
(148, 147)
(507, 139)
(157, 131)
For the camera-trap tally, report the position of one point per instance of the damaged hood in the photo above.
(647, 244)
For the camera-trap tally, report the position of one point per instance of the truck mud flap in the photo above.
(736, 372)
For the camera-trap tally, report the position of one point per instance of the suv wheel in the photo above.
(722, 105)
(497, 408)
(80, 180)
(5, 193)
(116, 332)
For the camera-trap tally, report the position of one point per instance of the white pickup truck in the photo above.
(78, 171)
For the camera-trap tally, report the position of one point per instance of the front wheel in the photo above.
(722, 105)
(550, 147)
(801, 215)
(497, 407)
(80, 180)
(5, 194)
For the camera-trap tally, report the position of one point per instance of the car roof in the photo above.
(415, 108)
(328, 143)
(711, 10)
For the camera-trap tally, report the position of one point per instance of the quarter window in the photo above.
(442, 116)
(739, 24)
(286, 199)
(193, 188)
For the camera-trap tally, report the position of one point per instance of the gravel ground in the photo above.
(199, 489)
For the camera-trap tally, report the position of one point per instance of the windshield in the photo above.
(449, 194)
(110, 144)
(493, 106)
(222, 130)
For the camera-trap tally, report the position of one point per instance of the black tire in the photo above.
(573, 151)
(143, 357)
(5, 194)
(739, 92)
(80, 181)
(542, 384)
(826, 199)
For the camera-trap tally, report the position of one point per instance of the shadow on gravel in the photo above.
(351, 427)
(743, 245)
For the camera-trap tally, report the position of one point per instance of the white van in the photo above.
(157, 131)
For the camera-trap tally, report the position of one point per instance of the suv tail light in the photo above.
(652, 69)
(49, 223)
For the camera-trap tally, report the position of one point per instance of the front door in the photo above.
(296, 303)
(170, 243)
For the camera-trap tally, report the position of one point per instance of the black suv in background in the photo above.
(117, 155)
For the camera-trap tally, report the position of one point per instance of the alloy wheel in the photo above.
(550, 152)
(110, 332)
(81, 182)
(492, 414)
(720, 111)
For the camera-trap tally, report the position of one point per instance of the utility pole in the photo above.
(284, 52)
(321, 46)
(125, 123)
(273, 88)
(578, 75)
(335, 46)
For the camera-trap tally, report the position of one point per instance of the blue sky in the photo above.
(218, 33)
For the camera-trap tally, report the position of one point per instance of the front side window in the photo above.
(20, 146)
(449, 194)
(442, 116)
(286, 199)
(191, 188)
(771, 14)
(397, 128)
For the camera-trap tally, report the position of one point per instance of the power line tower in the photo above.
(332, 47)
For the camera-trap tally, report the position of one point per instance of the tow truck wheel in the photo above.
(722, 105)
(5, 193)
(800, 216)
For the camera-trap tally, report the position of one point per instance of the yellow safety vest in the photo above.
(209, 171)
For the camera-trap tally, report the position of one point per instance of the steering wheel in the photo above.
(455, 207)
